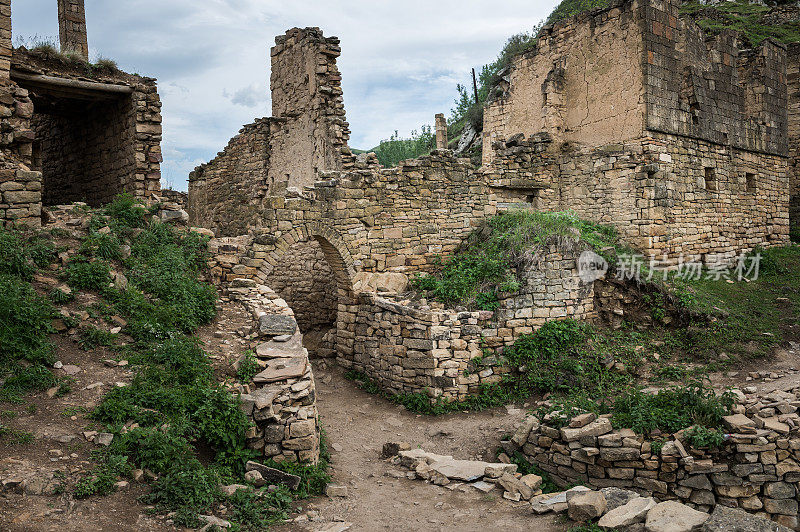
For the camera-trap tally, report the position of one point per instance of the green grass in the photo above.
(486, 266)
(753, 316)
(191, 431)
(748, 19)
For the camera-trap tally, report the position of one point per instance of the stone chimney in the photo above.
(72, 28)
(441, 132)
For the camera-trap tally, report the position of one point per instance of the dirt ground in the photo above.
(358, 424)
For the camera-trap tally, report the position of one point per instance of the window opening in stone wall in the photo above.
(750, 181)
(710, 178)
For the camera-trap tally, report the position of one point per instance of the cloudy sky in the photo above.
(400, 63)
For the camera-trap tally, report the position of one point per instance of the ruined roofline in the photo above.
(31, 62)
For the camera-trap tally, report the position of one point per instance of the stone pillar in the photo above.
(72, 28)
(441, 132)
(5, 40)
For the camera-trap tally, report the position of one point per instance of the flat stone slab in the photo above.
(279, 369)
(276, 325)
(274, 476)
(274, 349)
(466, 470)
(671, 516)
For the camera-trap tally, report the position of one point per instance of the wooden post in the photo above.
(475, 85)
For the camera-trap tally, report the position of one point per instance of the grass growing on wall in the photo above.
(487, 264)
(748, 19)
(390, 152)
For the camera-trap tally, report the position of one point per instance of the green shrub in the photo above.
(570, 8)
(89, 275)
(703, 438)
(553, 358)
(126, 212)
(248, 368)
(489, 261)
(390, 152)
(92, 337)
(187, 488)
(102, 246)
(672, 409)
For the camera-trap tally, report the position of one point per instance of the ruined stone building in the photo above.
(72, 131)
(629, 116)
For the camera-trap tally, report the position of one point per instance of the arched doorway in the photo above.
(313, 272)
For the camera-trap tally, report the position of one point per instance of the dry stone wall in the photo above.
(670, 197)
(757, 469)
(281, 399)
(97, 152)
(412, 348)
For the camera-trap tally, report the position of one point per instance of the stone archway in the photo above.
(306, 259)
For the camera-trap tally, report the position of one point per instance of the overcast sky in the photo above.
(400, 63)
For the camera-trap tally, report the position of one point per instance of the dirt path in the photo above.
(358, 424)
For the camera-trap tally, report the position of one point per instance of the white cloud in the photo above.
(400, 61)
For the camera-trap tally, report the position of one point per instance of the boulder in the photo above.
(586, 506)
(726, 519)
(671, 516)
(632, 512)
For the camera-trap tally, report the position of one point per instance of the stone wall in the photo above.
(757, 469)
(281, 399)
(707, 88)
(615, 74)
(72, 27)
(305, 280)
(411, 348)
(793, 85)
(91, 138)
(668, 196)
(583, 84)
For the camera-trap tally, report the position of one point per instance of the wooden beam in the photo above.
(71, 88)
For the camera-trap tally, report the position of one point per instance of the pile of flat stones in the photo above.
(444, 470)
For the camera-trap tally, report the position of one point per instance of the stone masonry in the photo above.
(757, 468)
(71, 131)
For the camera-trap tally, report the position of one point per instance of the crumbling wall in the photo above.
(706, 88)
(757, 468)
(224, 194)
(413, 349)
(583, 83)
(311, 130)
(20, 187)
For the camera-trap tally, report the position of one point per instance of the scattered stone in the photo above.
(485, 487)
(336, 490)
(616, 497)
(671, 516)
(392, 448)
(122, 485)
(231, 489)
(632, 512)
(725, 519)
(211, 521)
(274, 476)
(255, 478)
(70, 369)
(586, 506)
(103, 438)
